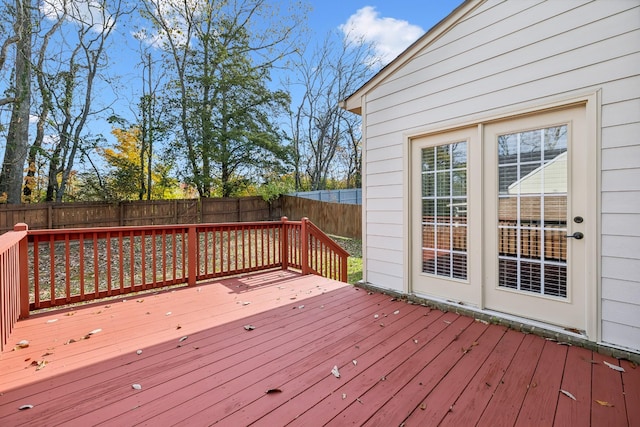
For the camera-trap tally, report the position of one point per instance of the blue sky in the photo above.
(392, 24)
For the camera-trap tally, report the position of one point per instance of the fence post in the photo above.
(304, 245)
(284, 244)
(192, 255)
(23, 257)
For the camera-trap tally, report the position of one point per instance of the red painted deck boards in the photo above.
(413, 364)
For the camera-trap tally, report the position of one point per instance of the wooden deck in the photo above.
(399, 363)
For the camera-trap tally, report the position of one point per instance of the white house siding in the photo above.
(505, 54)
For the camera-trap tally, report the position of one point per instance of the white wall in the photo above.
(509, 53)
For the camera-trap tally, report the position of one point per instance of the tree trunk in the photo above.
(18, 135)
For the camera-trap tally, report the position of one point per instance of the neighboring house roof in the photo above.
(551, 178)
(353, 103)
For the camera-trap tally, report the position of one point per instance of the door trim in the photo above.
(592, 101)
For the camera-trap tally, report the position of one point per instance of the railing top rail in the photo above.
(58, 231)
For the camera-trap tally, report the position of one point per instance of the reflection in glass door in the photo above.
(532, 211)
(444, 210)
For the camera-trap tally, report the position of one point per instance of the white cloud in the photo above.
(88, 13)
(389, 36)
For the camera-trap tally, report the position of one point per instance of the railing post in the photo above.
(192, 255)
(23, 256)
(284, 244)
(304, 245)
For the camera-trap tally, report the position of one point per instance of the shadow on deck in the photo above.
(398, 363)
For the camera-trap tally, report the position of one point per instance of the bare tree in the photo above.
(72, 88)
(320, 128)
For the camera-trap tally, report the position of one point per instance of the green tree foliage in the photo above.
(221, 56)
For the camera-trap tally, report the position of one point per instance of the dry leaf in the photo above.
(95, 331)
(396, 312)
(246, 303)
(71, 341)
(22, 344)
(52, 320)
(335, 372)
(301, 307)
(603, 403)
(140, 300)
(178, 327)
(136, 386)
(23, 407)
(344, 396)
(355, 362)
(139, 352)
(40, 365)
(415, 341)
(566, 393)
(183, 338)
(273, 391)
(249, 327)
(447, 322)
(423, 406)
(168, 313)
(375, 316)
(614, 367)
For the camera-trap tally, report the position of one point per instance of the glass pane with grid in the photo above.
(444, 210)
(532, 211)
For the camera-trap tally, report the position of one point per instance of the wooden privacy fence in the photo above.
(333, 218)
(138, 213)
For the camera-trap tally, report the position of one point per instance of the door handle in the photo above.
(577, 235)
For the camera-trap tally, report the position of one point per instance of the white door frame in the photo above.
(591, 100)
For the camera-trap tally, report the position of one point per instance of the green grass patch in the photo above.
(354, 263)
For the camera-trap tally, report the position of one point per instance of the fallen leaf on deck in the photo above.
(335, 372)
(382, 325)
(47, 354)
(95, 331)
(375, 316)
(355, 362)
(292, 298)
(566, 393)
(273, 391)
(614, 367)
(139, 300)
(246, 303)
(71, 313)
(22, 344)
(23, 407)
(423, 406)
(415, 341)
(139, 352)
(168, 313)
(136, 386)
(178, 327)
(107, 306)
(183, 338)
(71, 341)
(447, 322)
(52, 320)
(249, 327)
(344, 396)
(301, 307)
(39, 365)
(396, 312)
(603, 403)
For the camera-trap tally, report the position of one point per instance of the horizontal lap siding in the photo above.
(507, 54)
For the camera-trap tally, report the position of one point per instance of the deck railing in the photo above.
(48, 268)
(13, 247)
